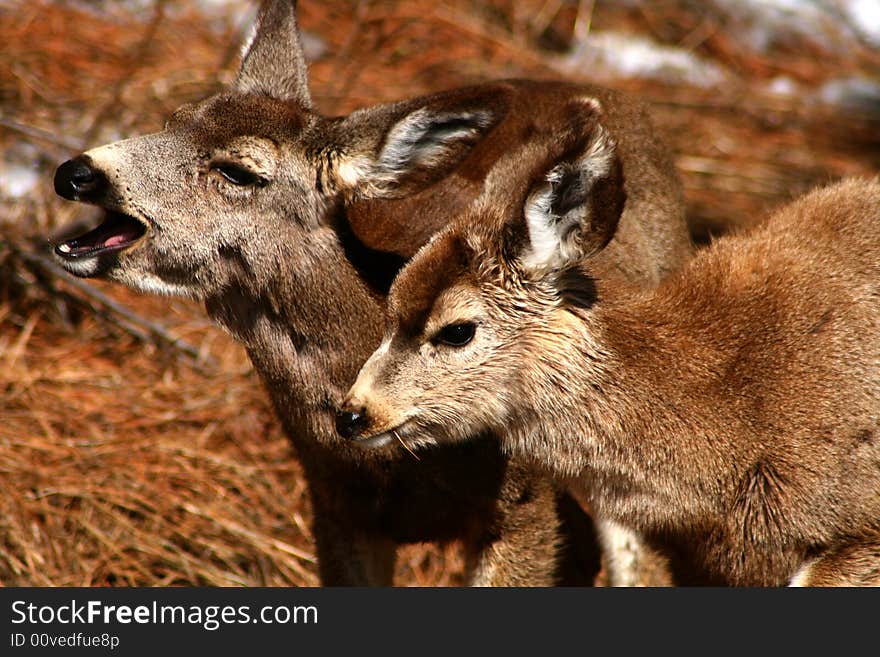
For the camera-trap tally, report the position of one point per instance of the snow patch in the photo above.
(18, 180)
(783, 86)
(854, 93)
(608, 54)
(833, 24)
(20, 171)
(864, 16)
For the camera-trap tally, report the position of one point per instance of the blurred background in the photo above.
(137, 446)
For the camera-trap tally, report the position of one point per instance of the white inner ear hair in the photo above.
(599, 157)
(550, 234)
(545, 242)
(353, 171)
(423, 138)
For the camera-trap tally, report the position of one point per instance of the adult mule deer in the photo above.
(730, 416)
(289, 226)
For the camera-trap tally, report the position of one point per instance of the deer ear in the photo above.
(573, 211)
(405, 147)
(273, 62)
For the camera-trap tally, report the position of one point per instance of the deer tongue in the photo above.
(117, 231)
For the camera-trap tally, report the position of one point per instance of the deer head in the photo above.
(480, 303)
(239, 184)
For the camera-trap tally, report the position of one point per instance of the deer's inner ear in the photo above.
(399, 149)
(574, 211)
(417, 151)
(427, 144)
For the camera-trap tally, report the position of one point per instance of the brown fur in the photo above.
(301, 283)
(856, 563)
(731, 416)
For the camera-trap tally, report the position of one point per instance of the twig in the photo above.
(143, 329)
(546, 14)
(136, 61)
(584, 21)
(346, 82)
(42, 135)
(405, 446)
(465, 23)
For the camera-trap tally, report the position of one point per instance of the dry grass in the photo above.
(126, 463)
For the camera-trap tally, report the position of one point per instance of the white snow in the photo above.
(853, 92)
(605, 54)
(755, 25)
(834, 24)
(864, 15)
(783, 86)
(18, 180)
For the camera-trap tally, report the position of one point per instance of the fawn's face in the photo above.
(483, 303)
(452, 345)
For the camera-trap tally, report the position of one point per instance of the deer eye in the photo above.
(238, 175)
(455, 335)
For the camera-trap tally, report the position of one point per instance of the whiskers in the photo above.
(405, 446)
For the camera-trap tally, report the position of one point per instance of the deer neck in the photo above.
(306, 328)
(623, 419)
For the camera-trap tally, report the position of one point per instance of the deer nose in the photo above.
(349, 423)
(77, 180)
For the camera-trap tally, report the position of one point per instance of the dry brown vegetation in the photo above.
(137, 454)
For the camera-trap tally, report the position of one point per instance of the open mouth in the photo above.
(118, 231)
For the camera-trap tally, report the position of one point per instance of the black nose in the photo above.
(77, 180)
(350, 423)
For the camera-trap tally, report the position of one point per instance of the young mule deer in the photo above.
(730, 416)
(289, 225)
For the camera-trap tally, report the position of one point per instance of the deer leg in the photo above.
(348, 557)
(628, 561)
(855, 564)
(527, 541)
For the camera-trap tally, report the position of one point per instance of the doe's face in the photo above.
(210, 198)
(235, 189)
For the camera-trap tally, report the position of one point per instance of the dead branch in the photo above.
(346, 82)
(106, 308)
(38, 134)
(136, 61)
